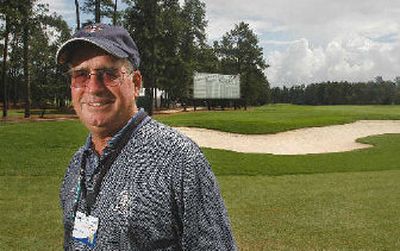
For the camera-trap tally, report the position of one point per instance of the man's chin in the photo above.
(96, 124)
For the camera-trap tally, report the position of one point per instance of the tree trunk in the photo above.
(26, 60)
(78, 21)
(115, 12)
(155, 98)
(15, 94)
(97, 11)
(4, 70)
(149, 100)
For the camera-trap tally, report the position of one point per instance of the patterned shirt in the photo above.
(159, 193)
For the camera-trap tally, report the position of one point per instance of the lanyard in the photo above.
(91, 196)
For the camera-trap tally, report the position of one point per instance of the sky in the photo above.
(308, 41)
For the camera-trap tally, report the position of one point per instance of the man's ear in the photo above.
(137, 81)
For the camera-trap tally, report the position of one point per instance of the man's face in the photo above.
(103, 107)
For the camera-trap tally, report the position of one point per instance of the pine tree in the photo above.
(143, 21)
(239, 53)
(99, 9)
(193, 41)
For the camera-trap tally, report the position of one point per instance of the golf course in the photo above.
(328, 201)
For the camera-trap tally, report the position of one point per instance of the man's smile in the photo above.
(98, 103)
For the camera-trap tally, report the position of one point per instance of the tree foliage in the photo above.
(340, 93)
(173, 45)
(170, 53)
(239, 53)
(99, 9)
(171, 39)
(32, 74)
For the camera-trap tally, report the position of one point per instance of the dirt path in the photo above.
(336, 138)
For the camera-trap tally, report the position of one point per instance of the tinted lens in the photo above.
(109, 76)
(79, 78)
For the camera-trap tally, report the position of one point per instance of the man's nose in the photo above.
(95, 82)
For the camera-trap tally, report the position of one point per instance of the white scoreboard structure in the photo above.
(216, 86)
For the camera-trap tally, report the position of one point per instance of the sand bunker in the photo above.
(336, 138)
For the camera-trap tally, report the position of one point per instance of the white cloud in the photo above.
(305, 13)
(61, 7)
(279, 42)
(65, 8)
(355, 59)
(298, 62)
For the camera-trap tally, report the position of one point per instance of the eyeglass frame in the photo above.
(99, 73)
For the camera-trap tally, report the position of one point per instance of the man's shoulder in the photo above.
(161, 135)
(162, 132)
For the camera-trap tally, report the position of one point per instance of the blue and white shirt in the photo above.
(158, 194)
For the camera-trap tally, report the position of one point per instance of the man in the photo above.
(136, 184)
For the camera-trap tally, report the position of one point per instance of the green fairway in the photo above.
(337, 201)
(278, 118)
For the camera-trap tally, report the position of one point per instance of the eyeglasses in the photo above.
(108, 76)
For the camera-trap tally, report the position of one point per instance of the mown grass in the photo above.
(339, 201)
(30, 213)
(38, 148)
(279, 117)
(336, 211)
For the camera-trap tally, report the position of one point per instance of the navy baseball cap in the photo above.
(115, 40)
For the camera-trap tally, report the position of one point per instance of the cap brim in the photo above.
(63, 54)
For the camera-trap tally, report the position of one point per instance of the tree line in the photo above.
(340, 93)
(171, 38)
